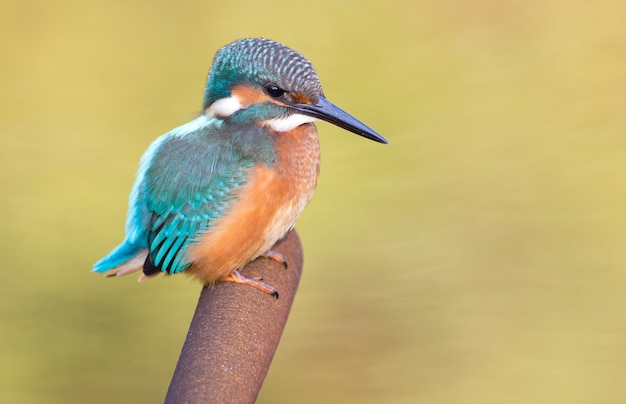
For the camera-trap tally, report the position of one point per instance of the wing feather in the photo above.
(187, 179)
(191, 181)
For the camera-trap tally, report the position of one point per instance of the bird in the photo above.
(221, 190)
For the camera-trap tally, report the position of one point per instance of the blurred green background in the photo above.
(478, 258)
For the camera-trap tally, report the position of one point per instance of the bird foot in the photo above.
(237, 277)
(276, 256)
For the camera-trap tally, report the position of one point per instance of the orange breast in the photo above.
(265, 209)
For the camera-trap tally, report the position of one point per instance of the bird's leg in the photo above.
(276, 256)
(237, 277)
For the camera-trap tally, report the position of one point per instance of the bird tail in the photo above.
(124, 259)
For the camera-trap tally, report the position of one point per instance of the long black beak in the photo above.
(329, 112)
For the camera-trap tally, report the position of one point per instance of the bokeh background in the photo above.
(478, 258)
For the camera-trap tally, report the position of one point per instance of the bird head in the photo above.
(259, 80)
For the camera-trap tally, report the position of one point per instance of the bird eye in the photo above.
(274, 91)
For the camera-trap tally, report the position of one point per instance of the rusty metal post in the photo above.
(235, 332)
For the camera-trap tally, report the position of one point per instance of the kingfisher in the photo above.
(221, 190)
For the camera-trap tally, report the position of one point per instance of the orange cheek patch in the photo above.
(249, 96)
(301, 98)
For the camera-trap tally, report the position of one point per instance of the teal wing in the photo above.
(190, 183)
(189, 180)
(173, 229)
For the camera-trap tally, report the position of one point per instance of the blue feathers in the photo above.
(187, 179)
(262, 61)
(121, 254)
(191, 177)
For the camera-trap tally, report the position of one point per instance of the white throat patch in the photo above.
(289, 123)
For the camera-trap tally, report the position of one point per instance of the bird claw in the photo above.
(276, 256)
(237, 277)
